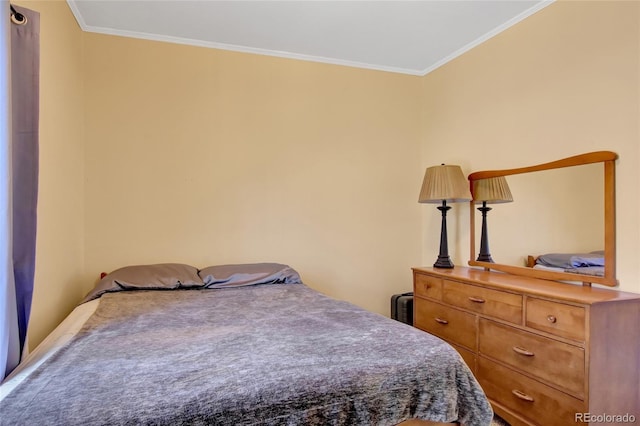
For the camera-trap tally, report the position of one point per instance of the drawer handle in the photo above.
(476, 299)
(552, 319)
(523, 396)
(521, 351)
(441, 321)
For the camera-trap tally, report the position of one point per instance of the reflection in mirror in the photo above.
(489, 191)
(567, 210)
(556, 211)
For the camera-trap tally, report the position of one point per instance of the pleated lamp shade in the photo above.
(492, 190)
(444, 183)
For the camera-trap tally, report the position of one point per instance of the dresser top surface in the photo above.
(533, 286)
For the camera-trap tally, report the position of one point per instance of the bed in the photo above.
(251, 344)
(590, 263)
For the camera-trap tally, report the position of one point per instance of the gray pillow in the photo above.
(163, 276)
(221, 276)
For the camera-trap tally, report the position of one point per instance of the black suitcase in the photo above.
(402, 307)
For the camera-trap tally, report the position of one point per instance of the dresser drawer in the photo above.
(427, 286)
(556, 318)
(494, 303)
(468, 357)
(539, 403)
(555, 362)
(445, 322)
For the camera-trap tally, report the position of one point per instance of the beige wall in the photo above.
(563, 82)
(60, 235)
(207, 157)
(177, 153)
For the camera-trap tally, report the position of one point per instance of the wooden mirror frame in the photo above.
(609, 279)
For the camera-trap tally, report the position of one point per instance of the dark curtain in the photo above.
(25, 76)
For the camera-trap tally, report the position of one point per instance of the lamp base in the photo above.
(484, 257)
(443, 262)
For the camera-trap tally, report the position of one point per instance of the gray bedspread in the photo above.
(278, 354)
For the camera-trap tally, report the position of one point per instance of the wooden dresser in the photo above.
(544, 352)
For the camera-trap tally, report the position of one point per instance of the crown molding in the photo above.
(297, 56)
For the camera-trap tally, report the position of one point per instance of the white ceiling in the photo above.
(411, 37)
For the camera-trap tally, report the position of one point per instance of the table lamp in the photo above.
(442, 184)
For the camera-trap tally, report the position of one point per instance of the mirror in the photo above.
(565, 207)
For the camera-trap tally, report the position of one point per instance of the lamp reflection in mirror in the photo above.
(489, 191)
(442, 184)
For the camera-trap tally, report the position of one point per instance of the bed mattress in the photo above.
(277, 354)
